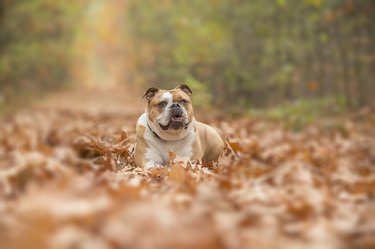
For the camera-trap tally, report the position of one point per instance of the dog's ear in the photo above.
(185, 89)
(150, 93)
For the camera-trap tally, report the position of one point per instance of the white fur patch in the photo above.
(163, 118)
(142, 120)
(167, 96)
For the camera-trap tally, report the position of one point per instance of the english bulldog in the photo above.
(168, 124)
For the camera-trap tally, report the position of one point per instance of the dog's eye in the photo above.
(183, 101)
(162, 104)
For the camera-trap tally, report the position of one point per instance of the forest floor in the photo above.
(68, 180)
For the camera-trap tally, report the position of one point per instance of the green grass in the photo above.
(296, 115)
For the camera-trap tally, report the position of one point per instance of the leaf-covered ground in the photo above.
(68, 180)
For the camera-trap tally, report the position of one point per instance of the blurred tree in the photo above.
(257, 52)
(34, 46)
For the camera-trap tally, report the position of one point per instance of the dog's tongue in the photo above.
(177, 119)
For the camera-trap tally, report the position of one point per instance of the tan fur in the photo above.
(153, 109)
(212, 146)
(197, 148)
(141, 147)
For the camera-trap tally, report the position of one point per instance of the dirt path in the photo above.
(68, 180)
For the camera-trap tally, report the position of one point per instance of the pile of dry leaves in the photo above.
(68, 180)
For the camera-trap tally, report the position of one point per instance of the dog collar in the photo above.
(155, 134)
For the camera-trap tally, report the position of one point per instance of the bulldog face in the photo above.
(170, 112)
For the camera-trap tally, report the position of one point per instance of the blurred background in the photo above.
(240, 55)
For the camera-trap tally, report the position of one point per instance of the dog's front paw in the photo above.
(153, 165)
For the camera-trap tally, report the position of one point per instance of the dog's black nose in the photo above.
(175, 106)
(176, 112)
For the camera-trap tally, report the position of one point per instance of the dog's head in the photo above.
(170, 112)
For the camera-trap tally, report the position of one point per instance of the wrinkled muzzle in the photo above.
(176, 118)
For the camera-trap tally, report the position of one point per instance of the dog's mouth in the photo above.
(175, 123)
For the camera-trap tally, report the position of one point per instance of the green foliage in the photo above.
(256, 53)
(297, 115)
(34, 42)
(236, 54)
(201, 96)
